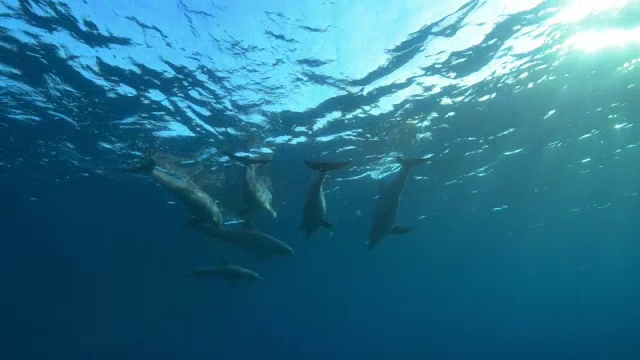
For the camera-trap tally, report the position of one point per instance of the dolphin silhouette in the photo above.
(198, 203)
(315, 206)
(386, 209)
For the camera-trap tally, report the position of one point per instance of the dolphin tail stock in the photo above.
(410, 162)
(399, 230)
(246, 160)
(324, 166)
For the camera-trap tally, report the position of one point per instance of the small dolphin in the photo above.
(226, 271)
(247, 238)
(315, 206)
(386, 210)
(200, 204)
(256, 193)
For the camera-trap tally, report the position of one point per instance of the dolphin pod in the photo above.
(207, 216)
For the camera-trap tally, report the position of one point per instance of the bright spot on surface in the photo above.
(585, 160)
(577, 10)
(592, 41)
(174, 129)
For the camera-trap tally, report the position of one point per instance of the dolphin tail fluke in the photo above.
(144, 168)
(245, 160)
(323, 167)
(411, 162)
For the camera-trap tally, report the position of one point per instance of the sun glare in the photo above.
(592, 41)
(577, 10)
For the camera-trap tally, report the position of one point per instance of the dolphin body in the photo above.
(201, 206)
(386, 210)
(198, 203)
(256, 193)
(247, 238)
(226, 271)
(315, 206)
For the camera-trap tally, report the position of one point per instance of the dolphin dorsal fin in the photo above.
(225, 261)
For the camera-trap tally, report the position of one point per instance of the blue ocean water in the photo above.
(524, 222)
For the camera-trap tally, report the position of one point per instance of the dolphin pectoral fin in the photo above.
(325, 224)
(399, 230)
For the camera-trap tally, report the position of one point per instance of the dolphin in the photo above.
(247, 238)
(256, 192)
(386, 210)
(225, 271)
(315, 206)
(201, 206)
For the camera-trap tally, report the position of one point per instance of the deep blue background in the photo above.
(91, 272)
